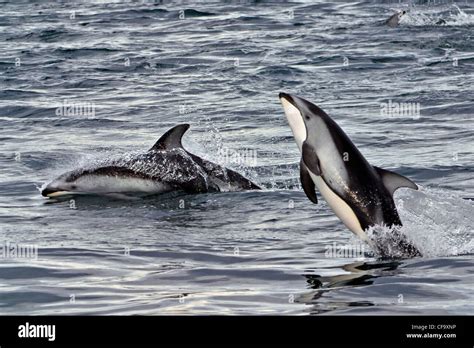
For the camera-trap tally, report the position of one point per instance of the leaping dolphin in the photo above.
(359, 194)
(167, 166)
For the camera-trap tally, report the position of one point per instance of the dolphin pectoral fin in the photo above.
(393, 181)
(171, 139)
(308, 184)
(310, 159)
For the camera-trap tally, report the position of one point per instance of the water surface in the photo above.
(135, 70)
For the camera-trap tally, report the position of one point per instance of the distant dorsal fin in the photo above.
(393, 181)
(171, 139)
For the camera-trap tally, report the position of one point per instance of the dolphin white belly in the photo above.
(340, 207)
(118, 184)
(114, 184)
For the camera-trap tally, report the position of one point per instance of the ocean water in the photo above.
(131, 71)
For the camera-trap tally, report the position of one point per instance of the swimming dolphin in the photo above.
(394, 19)
(359, 194)
(167, 166)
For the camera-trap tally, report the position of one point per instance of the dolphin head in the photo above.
(400, 15)
(65, 184)
(304, 117)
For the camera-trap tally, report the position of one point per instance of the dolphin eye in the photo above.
(73, 187)
(307, 117)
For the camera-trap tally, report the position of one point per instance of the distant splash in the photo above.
(437, 221)
(450, 15)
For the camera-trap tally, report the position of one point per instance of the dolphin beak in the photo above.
(294, 117)
(287, 97)
(49, 192)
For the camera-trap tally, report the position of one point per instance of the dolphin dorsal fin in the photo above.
(392, 181)
(171, 139)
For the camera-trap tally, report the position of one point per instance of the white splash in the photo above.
(437, 221)
(446, 16)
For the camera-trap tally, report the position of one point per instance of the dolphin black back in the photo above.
(224, 174)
